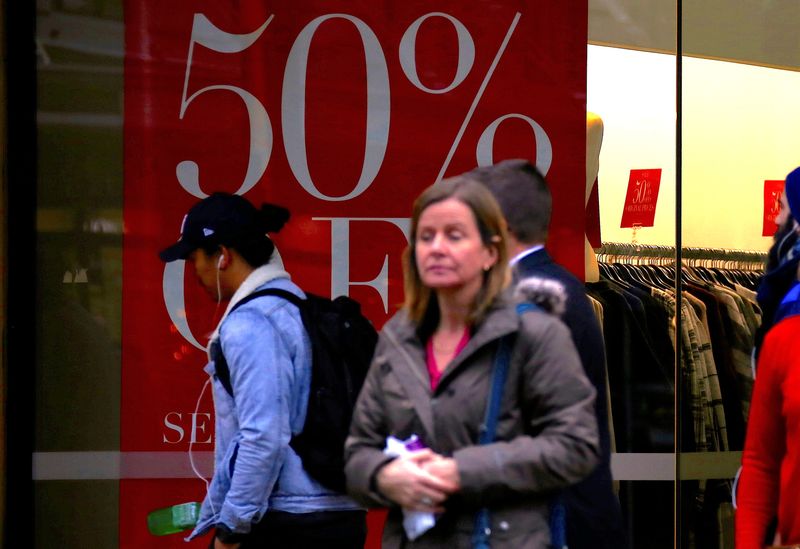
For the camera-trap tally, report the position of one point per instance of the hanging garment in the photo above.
(723, 358)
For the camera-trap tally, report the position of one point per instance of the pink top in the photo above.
(770, 480)
(430, 359)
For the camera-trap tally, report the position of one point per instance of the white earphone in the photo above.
(219, 289)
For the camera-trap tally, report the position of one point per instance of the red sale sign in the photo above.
(641, 198)
(342, 111)
(773, 190)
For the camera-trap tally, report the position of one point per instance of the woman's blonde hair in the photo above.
(420, 301)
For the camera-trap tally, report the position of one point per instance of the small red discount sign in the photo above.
(773, 190)
(343, 111)
(641, 199)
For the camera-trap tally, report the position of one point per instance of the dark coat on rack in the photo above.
(642, 405)
(594, 518)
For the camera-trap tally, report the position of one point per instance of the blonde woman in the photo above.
(431, 377)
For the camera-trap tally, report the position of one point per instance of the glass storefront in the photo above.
(105, 433)
(738, 77)
(80, 53)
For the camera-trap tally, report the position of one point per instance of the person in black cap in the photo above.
(260, 495)
(593, 514)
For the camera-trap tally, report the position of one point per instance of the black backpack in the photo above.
(342, 343)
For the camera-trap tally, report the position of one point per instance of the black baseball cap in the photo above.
(221, 218)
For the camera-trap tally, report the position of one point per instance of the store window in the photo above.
(118, 92)
(631, 95)
(80, 54)
(739, 74)
(736, 80)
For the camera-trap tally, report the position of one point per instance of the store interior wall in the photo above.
(634, 94)
(738, 129)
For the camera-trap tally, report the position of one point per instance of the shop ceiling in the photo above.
(756, 32)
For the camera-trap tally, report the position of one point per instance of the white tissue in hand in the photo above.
(415, 523)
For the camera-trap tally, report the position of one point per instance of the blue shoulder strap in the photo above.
(526, 307)
(480, 537)
(557, 523)
(499, 376)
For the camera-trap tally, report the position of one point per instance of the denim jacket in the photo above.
(255, 469)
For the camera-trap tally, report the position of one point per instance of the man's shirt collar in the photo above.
(524, 253)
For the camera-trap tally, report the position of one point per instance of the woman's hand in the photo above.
(406, 482)
(444, 468)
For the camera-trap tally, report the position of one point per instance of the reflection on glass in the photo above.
(739, 83)
(79, 265)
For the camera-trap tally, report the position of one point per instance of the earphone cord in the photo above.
(197, 408)
(191, 457)
(219, 290)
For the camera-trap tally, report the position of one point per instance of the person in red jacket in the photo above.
(770, 480)
(769, 484)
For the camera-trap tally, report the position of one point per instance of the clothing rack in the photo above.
(687, 315)
(715, 258)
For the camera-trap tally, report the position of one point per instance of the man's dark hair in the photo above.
(256, 249)
(245, 231)
(523, 195)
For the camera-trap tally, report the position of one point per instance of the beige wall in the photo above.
(634, 93)
(739, 128)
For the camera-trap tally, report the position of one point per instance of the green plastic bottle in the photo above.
(174, 519)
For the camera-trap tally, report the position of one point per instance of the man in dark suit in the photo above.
(594, 518)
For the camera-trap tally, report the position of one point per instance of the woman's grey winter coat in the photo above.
(546, 434)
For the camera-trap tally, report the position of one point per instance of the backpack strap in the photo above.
(295, 299)
(223, 372)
